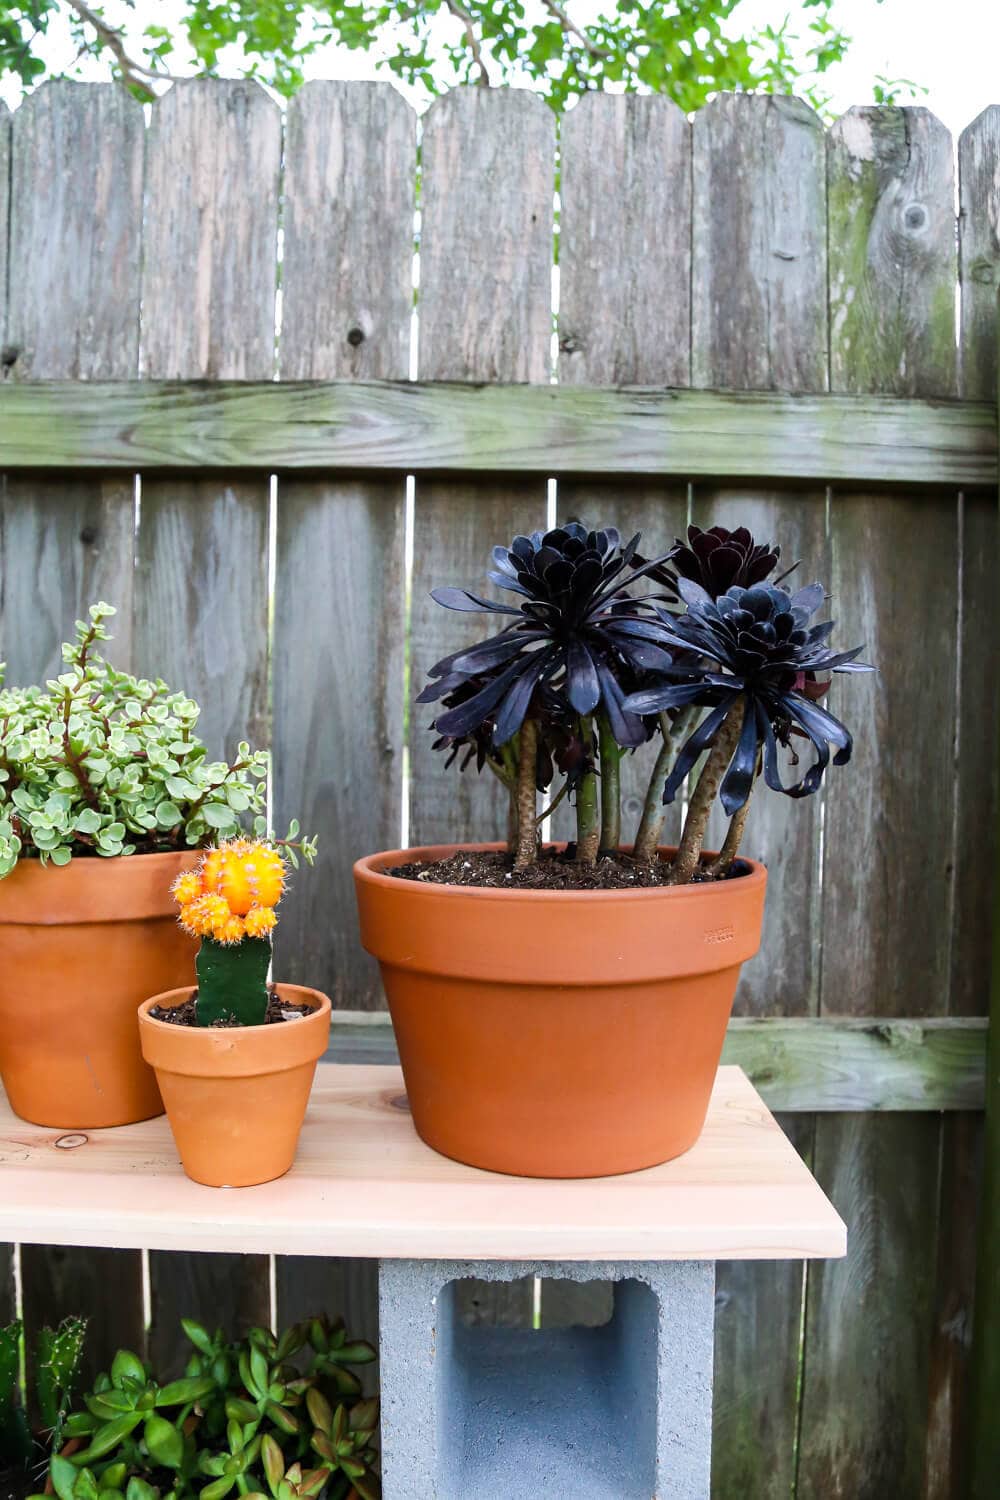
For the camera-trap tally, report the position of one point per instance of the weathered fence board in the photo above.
(624, 319)
(7, 1299)
(979, 251)
(759, 320)
(338, 681)
(209, 280)
(69, 541)
(888, 872)
(488, 177)
(441, 428)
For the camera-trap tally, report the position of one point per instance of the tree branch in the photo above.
(463, 15)
(133, 73)
(570, 27)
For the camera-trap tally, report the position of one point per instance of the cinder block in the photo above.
(620, 1412)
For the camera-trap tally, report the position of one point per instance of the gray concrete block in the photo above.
(620, 1412)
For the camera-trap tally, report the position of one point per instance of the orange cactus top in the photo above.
(232, 892)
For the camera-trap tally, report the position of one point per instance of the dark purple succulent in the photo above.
(718, 559)
(754, 643)
(578, 633)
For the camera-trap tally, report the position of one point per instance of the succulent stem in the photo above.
(588, 817)
(232, 981)
(647, 840)
(611, 796)
(723, 863)
(688, 854)
(527, 832)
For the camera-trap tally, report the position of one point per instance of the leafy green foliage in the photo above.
(55, 1365)
(687, 49)
(102, 763)
(243, 1418)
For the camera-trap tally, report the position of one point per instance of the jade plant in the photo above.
(228, 901)
(268, 1418)
(51, 1371)
(699, 650)
(99, 762)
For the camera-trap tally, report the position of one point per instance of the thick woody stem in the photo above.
(611, 796)
(588, 816)
(647, 840)
(723, 863)
(688, 854)
(527, 831)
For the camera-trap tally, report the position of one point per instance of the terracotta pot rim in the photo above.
(234, 1051)
(369, 869)
(92, 889)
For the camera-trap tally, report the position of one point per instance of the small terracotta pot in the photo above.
(236, 1096)
(80, 945)
(558, 1033)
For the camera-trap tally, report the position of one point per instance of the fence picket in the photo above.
(7, 1301)
(350, 164)
(624, 319)
(979, 252)
(888, 847)
(209, 281)
(67, 542)
(759, 322)
(488, 178)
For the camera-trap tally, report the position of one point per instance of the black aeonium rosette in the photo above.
(578, 633)
(754, 643)
(718, 559)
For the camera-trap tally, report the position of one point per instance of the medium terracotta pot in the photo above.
(236, 1096)
(80, 945)
(558, 1034)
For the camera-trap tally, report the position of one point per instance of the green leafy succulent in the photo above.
(243, 1420)
(99, 762)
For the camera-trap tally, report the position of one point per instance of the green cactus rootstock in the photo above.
(232, 981)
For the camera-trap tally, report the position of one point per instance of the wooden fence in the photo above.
(161, 276)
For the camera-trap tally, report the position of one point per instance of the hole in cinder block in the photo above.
(550, 1412)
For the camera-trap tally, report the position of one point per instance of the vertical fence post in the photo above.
(986, 1332)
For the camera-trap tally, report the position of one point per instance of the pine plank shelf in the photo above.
(365, 1185)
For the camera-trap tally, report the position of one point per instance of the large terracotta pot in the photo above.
(236, 1096)
(80, 946)
(558, 1034)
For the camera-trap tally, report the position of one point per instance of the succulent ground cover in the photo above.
(699, 650)
(268, 1419)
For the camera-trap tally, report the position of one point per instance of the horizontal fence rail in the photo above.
(442, 427)
(832, 1064)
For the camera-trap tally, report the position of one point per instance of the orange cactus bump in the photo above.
(228, 901)
(232, 892)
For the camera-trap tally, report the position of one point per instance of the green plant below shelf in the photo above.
(268, 1418)
(51, 1373)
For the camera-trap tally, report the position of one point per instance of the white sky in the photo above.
(953, 50)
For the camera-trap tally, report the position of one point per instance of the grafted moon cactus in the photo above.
(228, 901)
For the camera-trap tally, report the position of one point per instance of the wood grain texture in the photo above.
(209, 282)
(75, 226)
(892, 253)
(979, 251)
(73, 313)
(887, 948)
(364, 1183)
(759, 321)
(340, 608)
(480, 431)
(231, 1292)
(624, 319)
(802, 1064)
(102, 1285)
(344, 1288)
(488, 178)
(758, 295)
(7, 1301)
(209, 278)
